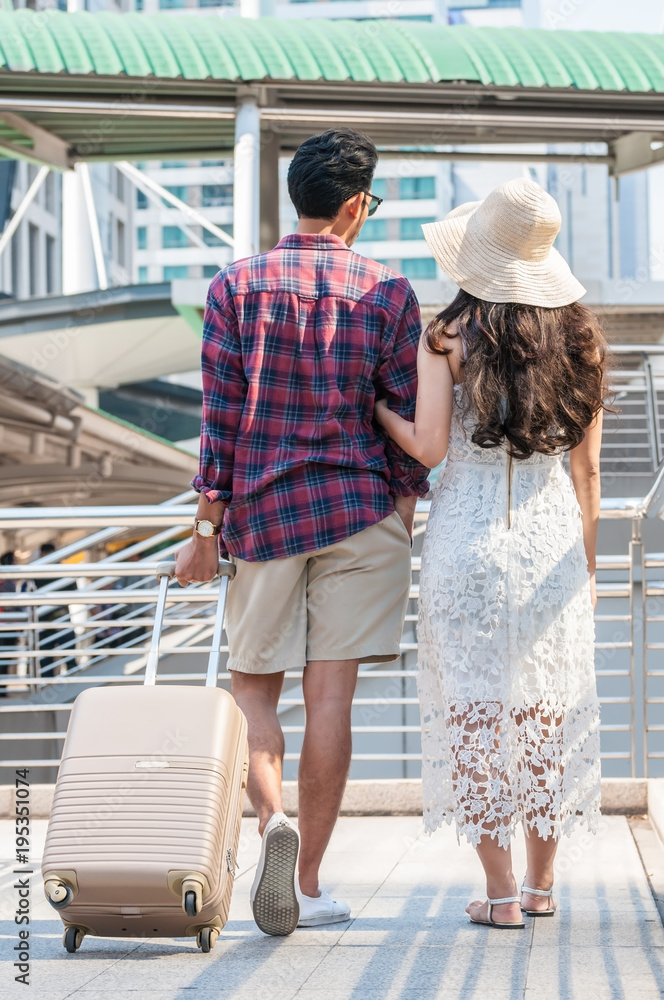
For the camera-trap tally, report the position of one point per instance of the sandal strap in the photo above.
(505, 899)
(537, 892)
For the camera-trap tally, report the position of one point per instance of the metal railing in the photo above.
(75, 624)
(632, 444)
(98, 633)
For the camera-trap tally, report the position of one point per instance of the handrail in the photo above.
(612, 508)
(101, 536)
(156, 516)
(183, 516)
(657, 349)
(35, 571)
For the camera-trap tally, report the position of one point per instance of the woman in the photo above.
(511, 375)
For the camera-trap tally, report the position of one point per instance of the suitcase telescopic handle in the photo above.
(165, 573)
(223, 569)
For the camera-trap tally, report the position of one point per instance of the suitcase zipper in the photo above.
(509, 489)
(231, 861)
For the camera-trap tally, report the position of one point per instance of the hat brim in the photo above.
(488, 272)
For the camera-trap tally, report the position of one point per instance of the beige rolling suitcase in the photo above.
(146, 816)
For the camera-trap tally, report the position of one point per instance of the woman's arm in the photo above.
(428, 437)
(584, 469)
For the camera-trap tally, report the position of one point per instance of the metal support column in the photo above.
(246, 176)
(79, 273)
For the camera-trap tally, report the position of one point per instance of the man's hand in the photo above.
(197, 561)
(405, 508)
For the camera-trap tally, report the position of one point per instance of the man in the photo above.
(298, 343)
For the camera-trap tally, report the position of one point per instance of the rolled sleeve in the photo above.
(397, 382)
(224, 393)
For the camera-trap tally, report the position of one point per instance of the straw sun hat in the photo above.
(501, 249)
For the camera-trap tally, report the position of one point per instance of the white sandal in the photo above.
(501, 924)
(543, 893)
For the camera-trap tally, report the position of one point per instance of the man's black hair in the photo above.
(329, 168)
(7, 559)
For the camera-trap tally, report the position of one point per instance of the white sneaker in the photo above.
(315, 910)
(273, 898)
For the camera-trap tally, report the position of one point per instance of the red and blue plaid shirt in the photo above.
(298, 343)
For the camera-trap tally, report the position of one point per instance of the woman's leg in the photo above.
(478, 771)
(539, 873)
(500, 882)
(541, 748)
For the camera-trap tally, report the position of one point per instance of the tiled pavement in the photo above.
(408, 939)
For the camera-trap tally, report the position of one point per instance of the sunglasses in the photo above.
(374, 202)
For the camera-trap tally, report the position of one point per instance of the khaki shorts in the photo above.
(346, 601)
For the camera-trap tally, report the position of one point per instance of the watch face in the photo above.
(205, 528)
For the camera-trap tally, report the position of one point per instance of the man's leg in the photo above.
(273, 895)
(328, 687)
(258, 695)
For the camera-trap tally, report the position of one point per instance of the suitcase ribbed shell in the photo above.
(150, 783)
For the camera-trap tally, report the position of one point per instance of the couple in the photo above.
(324, 408)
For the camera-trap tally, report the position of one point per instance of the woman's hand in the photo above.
(426, 438)
(593, 590)
(380, 410)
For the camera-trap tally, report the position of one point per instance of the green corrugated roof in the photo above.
(207, 47)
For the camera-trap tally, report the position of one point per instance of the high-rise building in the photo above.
(31, 266)
(606, 234)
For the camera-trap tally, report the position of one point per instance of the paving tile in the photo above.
(614, 992)
(220, 992)
(263, 966)
(35, 988)
(596, 923)
(601, 973)
(435, 991)
(385, 972)
(436, 921)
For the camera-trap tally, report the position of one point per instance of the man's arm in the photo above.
(224, 392)
(197, 561)
(397, 383)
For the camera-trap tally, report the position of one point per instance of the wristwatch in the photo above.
(206, 529)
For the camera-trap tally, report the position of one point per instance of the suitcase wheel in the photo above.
(73, 938)
(207, 938)
(58, 894)
(192, 896)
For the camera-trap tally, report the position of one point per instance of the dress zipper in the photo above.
(509, 489)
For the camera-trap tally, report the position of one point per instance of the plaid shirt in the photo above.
(298, 343)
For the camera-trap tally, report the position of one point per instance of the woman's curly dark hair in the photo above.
(534, 376)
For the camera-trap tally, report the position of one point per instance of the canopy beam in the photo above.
(635, 151)
(47, 149)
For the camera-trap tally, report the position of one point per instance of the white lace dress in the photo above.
(509, 709)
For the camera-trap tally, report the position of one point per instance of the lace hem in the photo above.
(491, 769)
(436, 816)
